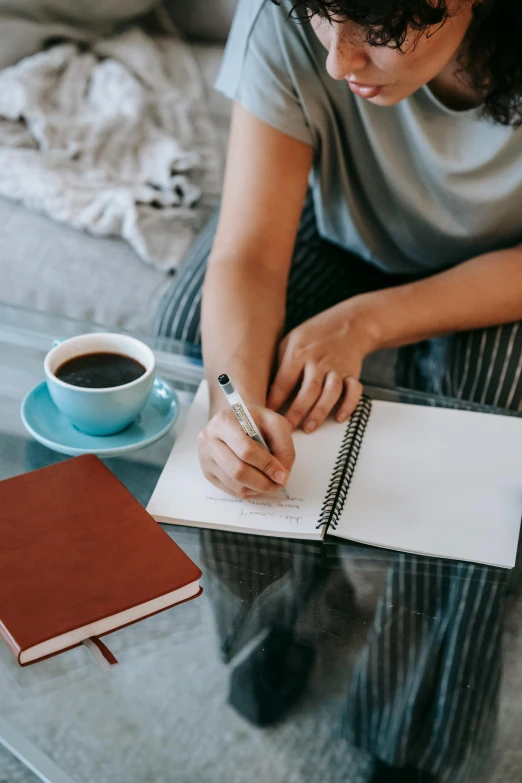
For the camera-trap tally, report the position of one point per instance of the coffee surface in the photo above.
(100, 370)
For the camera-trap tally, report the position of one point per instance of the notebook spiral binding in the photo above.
(345, 465)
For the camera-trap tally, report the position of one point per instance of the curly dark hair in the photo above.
(493, 60)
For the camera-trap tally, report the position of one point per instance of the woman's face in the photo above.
(386, 76)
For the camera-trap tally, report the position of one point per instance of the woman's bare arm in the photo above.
(244, 299)
(245, 287)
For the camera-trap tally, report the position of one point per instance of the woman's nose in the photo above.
(346, 54)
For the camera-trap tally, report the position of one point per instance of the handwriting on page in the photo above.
(286, 510)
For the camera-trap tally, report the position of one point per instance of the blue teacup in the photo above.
(100, 411)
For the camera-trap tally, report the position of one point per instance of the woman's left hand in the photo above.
(325, 354)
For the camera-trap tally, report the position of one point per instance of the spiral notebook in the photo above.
(426, 480)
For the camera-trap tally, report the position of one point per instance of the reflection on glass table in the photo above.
(301, 661)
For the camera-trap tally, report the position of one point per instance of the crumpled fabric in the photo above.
(114, 139)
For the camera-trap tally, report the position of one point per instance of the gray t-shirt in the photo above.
(411, 188)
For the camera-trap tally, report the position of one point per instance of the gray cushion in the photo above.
(51, 267)
(26, 25)
(205, 19)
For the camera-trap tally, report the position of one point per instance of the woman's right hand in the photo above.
(234, 462)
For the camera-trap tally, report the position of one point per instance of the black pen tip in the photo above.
(223, 379)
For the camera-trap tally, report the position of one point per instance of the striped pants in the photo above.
(424, 691)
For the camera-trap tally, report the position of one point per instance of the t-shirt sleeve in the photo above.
(254, 71)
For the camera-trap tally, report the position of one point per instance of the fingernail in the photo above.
(281, 477)
(310, 426)
(342, 416)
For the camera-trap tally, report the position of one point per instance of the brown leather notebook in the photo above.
(79, 558)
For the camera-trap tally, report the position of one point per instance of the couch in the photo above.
(53, 268)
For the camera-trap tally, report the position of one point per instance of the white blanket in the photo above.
(115, 140)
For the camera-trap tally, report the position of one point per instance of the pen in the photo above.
(243, 415)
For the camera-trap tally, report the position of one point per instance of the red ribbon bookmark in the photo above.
(100, 652)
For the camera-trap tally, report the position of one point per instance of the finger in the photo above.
(352, 394)
(309, 393)
(278, 435)
(332, 390)
(219, 478)
(241, 472)
(287, 378)
(229, 431)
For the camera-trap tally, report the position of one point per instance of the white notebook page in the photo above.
(437, 481)
(184, 496)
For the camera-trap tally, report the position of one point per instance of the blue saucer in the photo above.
(50, 427)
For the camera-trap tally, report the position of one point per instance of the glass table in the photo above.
(301, 661)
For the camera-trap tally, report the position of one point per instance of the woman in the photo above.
(400, 122)
(403, 124)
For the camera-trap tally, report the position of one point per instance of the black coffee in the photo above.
(99, 370)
